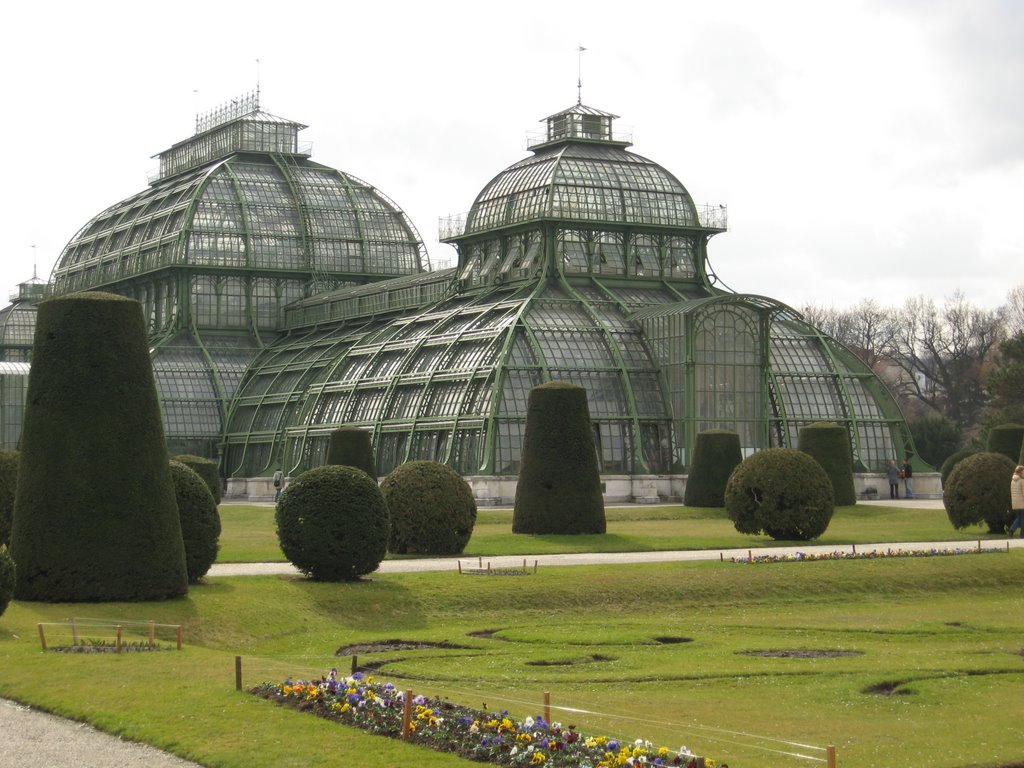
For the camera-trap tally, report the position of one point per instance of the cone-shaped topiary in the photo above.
(94, 516)
(9, 461)
(431, 508)
(351, 447)
(559, 488)
(716, 453)
(206, 469)
(6, 579)
(332, 523)
(828, 443)
(951, 461)
(200, 521)
(1007, 439)
(978, 491)
(782, 492)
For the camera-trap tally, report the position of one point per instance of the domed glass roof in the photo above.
(247, 213)
(581, 172)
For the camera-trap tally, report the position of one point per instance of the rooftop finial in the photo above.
(579, 73)
(257, 83)
(35, 261)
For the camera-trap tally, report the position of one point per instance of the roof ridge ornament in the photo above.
(579, 74)
(246, 104)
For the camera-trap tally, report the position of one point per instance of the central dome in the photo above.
(581, 172)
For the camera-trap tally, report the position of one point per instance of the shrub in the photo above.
(94, 515)
(716, 453)
(782, 492)
(978, 491)
(829, 444)
(206, 469)
(200, 522)
(8, 485)
(332, 523)
(952, 461)
(351, 447)
(6, 579)
(559, 488)
(935, 438)
(1007, 439)
(431, 508)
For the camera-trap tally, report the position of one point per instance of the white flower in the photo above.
(528, 722)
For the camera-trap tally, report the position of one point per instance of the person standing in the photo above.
(278, 479)
(1017, 500)
(894, 480)
(908, 479)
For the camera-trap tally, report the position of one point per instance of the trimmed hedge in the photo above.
(432, 509)
(95, 518)
(781, 492)
(351, 447)
(207, 469)
(828, 443)
(716, 453)
(9, 461)
(332, 523)
(1007, 439)
(978, 491)
(6, 579)
(952, 461)
(200, 521)
(559, 488)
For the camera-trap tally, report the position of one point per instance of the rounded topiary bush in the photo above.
(6, 579)
(200, 521)
(559, 488)
(332, 523)
(978, 491)
(1007, 439)
(716, 453)
(828, 443)
(431, 508)
(8, 485)
(951, 461)
(351, 447)
(94, 515)
(782, 492)
(206, 469)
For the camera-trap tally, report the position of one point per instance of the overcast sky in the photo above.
(864, 149)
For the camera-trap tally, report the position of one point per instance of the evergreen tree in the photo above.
(95, 517)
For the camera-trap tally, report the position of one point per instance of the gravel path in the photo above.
(33, 739)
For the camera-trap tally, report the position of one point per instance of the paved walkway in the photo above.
(43, 741)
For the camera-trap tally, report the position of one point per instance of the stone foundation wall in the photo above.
(491, 491)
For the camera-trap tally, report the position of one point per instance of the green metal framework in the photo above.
(239, 224)
(584, 263)
(286, 299)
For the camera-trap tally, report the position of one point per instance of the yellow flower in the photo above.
(538, 758)
(662, 752)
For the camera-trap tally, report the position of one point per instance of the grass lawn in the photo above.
(249, 537)
(713, 655)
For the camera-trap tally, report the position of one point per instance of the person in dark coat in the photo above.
(894, 480)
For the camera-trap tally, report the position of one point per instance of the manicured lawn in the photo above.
(710, 655)
(249, 536)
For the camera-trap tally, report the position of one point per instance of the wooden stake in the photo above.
(152, 634)
(855, 549)
(117, 643)
(547, 707)
(238, 673)
(830, 754)
(42, 636)
(179, 637)
(355, 663)
(74, 632)
(460, 567)
(407, 715)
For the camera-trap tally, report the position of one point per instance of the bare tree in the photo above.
(867, 329)
(1013, 311)
(944, 354)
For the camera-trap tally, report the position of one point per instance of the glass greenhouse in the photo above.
(286, 299)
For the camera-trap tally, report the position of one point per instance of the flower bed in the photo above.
(491, 737)
(873, 554)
